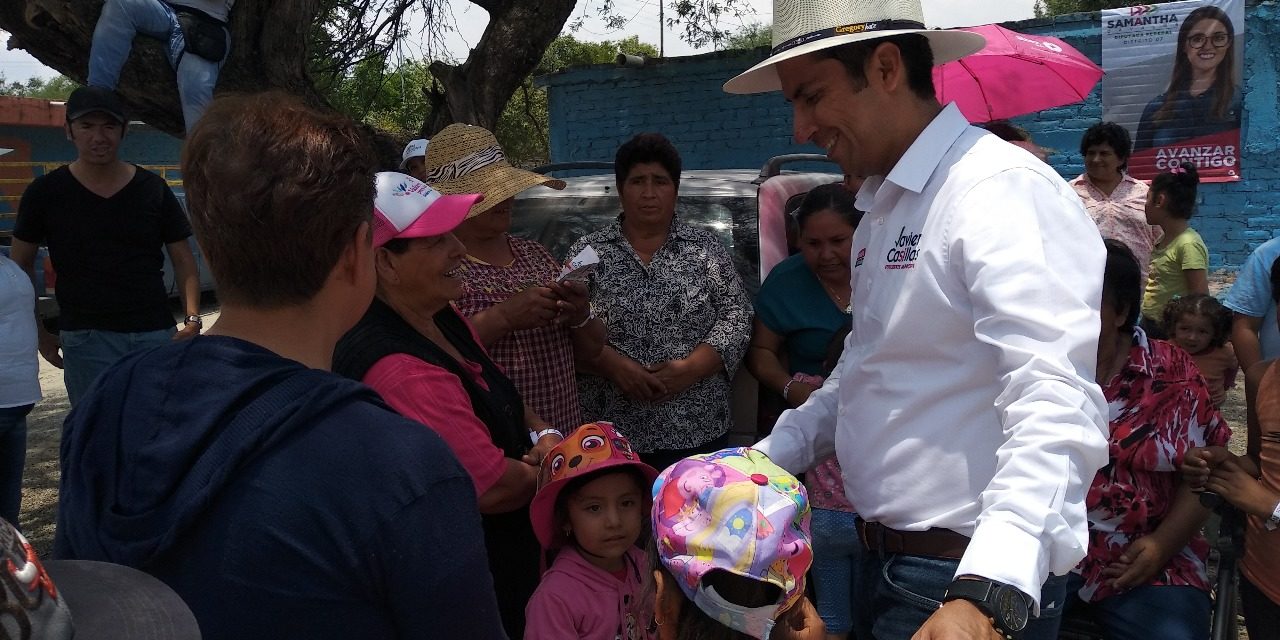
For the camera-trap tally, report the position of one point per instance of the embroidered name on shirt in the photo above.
(904, 252)
(862, 254)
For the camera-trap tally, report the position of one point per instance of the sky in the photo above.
(643, 21)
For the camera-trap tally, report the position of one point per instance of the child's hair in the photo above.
(693, 623)
(1122, 282)
(737, 513)
(1178, 185)
(1201, 305)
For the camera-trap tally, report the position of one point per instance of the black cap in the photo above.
(86, 100)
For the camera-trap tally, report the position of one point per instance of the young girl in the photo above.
(731, 548)
(590, 509)
(1201, 325)
(1252, 484)
(1180, 261)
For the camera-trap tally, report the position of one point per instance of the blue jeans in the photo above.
(87, 352)
(1153, 611)
(837, 579)
(911, 588)
(120, 21)
(13, 457)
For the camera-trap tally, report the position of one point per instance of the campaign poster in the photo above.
(1173, 79)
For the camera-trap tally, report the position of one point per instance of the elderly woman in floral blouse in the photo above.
(1144, 573)
(678, 318)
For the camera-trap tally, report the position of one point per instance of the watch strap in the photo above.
(976, 591)
(982, 593)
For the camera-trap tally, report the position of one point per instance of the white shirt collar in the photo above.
(923, 156)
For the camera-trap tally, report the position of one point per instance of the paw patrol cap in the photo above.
(736, 511)
(590, 448)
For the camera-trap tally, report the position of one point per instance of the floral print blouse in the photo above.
(688, 294)
(1159, 408)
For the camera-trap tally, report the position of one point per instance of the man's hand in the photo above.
(574, 302)
(534, 307)
(1241, 489)
(801, 622)
(188, 330)
(539, 450)
(1144, 558)
(958, 620)
(635, 381)
(1200, 461)
(675, 376)
(49, 348)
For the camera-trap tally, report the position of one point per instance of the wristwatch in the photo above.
(1273, 522)
(1008, 608)
(194, 320)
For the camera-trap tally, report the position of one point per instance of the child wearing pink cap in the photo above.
(731, 533)
(593, 496)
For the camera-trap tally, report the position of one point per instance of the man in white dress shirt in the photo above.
(963, 411)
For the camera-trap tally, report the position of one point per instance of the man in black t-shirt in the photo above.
(105, 221)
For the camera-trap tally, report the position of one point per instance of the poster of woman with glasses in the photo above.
(1188, 105)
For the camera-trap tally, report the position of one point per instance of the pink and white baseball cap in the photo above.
(405, 207)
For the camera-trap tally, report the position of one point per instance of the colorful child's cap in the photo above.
(736, 511)
(592, 447)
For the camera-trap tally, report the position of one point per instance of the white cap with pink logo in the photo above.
(405, 207)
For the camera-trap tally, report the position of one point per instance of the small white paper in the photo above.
(581, 266)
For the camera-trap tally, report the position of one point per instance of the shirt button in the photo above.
(880, 220)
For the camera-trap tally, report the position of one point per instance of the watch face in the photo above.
(1011, 606)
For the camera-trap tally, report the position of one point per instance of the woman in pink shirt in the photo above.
(1115, 200)
(424, 359)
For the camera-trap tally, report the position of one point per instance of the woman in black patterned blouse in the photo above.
(678, 318)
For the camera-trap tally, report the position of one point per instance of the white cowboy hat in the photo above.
(806, 26)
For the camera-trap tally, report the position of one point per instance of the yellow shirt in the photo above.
(1184, 252)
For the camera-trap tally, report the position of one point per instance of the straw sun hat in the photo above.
(465, 158)
(806, 26)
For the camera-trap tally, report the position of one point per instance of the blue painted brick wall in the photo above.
(596, 108)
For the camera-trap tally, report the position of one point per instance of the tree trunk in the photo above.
(476, 91)
(267, 51)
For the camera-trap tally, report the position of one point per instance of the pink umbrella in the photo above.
(1015, 74)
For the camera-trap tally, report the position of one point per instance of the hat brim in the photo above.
(498, 183)
(114, 602)
(115, 115)
(947, 45)
(444, 215)
(542, 510)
